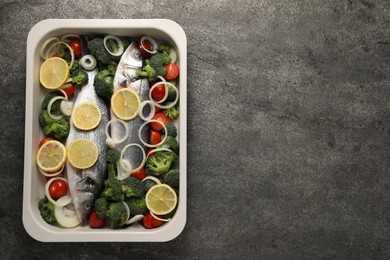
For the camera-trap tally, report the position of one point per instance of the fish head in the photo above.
(87, 189)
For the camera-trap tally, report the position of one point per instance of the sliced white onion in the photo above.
(64, 93)
(152, 41)
(66, 216)
(51, 102)
(166, 91)
(109, 140)
(66, 107)
(142, 127)
(67, 36)
(156, 180)
(141, 108)
(52, 174)
(159, 150)
(159, 105)
(118, 41)
(126, 167)
(59, 203)
(88, 62)
(127, 209)
(135, 219)
(173, 56)
(47, 44)
(158, 218)
(70, 50)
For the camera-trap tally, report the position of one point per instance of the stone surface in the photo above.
(288, 128)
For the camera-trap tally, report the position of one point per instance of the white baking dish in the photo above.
(163, 29)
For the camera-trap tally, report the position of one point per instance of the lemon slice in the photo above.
(86, 116)
(82, 153)
(125, 103)
(161, 199)
(51, 156)
(53, 73)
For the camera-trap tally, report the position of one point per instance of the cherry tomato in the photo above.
(158, 93)
(45, 140)
(69, 90)
(140, 175)
(146, 45)
(57, 189)
(150, 222)
(58, 175)
(76, 47)
(172, 71)
(157, 110)
(155, 137)
(95, 221)
(148, 153)
(162, 118)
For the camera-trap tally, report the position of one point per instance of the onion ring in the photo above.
(51, 102)
(109, 140)
(142, 127)
(88, 62)
(156, 103)
(118, 41)
(54, 174)
(152, 41)
(121, 158)
(67, 199)
(152, 110)
(158, 218)
(45, 45)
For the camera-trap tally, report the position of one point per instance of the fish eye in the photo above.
(87, 205)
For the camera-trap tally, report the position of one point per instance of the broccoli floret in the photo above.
(111, 169)
(148, 183)
(125, 41)
(161, 162)
(113, 155)
(81, 78)
(59, 129)
(100, 207)
(104, 82)
(171, 144)
(137, 206)
(55, 107)
(97, 49)
(44, 119)
(161, 71)
(46, 208)
(171, 130)
(171, 92)
(74, 70)
(132, 187)
(64, 53)
(117, 214)
(172, 178)
(159, 59)
(113, 189)
(164, 48)
(172, 112)
(147, 72)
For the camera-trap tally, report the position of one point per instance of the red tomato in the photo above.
(150, 222)
(69, 90)
(158, 93)
(148, 153)
(57, 189)
(172, 71)
(58, 175)
(76, 47)
(45, 140)
(55, 55)
(146, 45)
(140, 175)
(162, 118)
(95, 221)
(157, 110)
(155, 137)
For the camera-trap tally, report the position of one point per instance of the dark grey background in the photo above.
(288, 128)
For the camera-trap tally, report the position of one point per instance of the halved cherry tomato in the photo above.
(57, 189)
(146, 45)
(172, 71)
(95, 221)
(155, 137)
(76, 47)
(59, 175)
(158, 93)
(45, 140)
(140, 175)
(151, 222)
(69, 90)
(162, 118)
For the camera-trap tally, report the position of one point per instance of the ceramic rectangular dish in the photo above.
(163, 29)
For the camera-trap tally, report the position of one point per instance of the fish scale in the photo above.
(86, 185)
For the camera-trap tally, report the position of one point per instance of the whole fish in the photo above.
(125, 77)
(86, 185)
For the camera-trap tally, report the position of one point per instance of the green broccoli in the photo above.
(132, 187)
(113, 155)
(104, 82)
(172, 112)
(171, 144)
(148, 183)
(172, 178)
(171, 130)
(55, 107)
(137, 206)
(147, 72)
(161, 71)
(161, 162)
(46, 208)
(100, 207)
(97, 49)
(171, 92)
(112, 186)
(154, 66)
(117, 214)
(164, 48)
(59, 129)
(64, 53)
(159, 59)
(81, 78)
(111, 169)
(74, 70)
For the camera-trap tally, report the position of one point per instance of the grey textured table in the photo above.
(288, 128)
